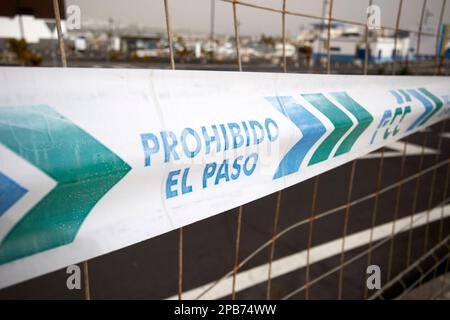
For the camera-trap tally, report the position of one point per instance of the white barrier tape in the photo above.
(95, 160)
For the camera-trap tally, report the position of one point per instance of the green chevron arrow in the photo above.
(83, 168)
(341, 122)
(363, 117)
(437, 102)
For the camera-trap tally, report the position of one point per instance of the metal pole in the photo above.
(87, 289)
(366, 51)
(438, 54)
(420, 28)
(283, 31)
(236, 35)
(169, 34)
(397, 24)
(321, 44)
(212, 23)
(180, 230)
(60, 35)
(276, 219)
(241, 209)
(330, 11)
(22, 33)
(236, 252)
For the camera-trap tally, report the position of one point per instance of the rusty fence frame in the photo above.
(313, 216)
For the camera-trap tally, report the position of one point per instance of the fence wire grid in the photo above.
(271, 248)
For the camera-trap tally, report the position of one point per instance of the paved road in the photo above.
(148, 270)
(413, 68)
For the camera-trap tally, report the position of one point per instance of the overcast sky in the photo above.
(194, 15)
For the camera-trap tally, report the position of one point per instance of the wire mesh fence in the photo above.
(313, 240)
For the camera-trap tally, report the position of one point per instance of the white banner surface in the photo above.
(93, 160)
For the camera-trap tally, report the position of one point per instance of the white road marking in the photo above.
(257, 275)
(411, 150)
(388, 154)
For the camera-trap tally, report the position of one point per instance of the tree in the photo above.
(20, 48)
(267, 40)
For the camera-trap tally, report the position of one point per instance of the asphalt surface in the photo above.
(149, 270)
(337, 67)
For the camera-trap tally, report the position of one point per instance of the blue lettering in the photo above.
(236, 166)
(184, 187)
(170, 183)
(271, 135)
(225, 137)
(145, 137)
(223, 172)
(184, 134)
(253, 125)
(210, 168)
(213, 138)
(247, 134)
(385, 119)
(169, 148)
(250, 171)
(236, 135)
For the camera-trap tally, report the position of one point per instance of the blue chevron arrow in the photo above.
(397, 96)
(311, 128)
(428, 108)
(10, 193)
